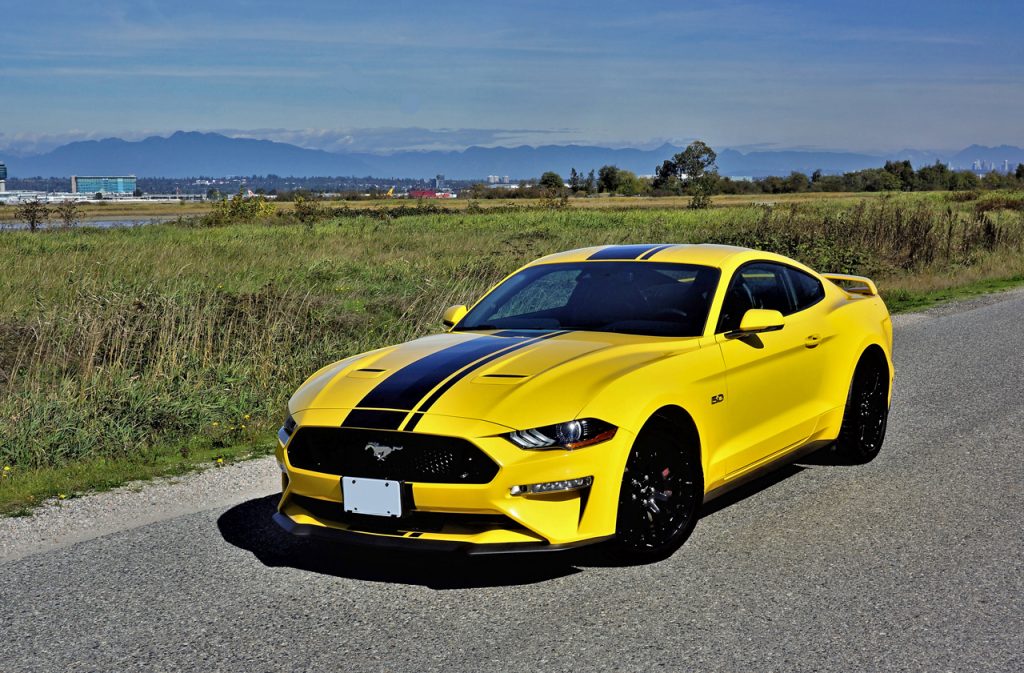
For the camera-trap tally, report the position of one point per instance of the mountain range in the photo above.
(187, 154)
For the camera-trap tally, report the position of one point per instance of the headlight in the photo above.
(569, 435)
(285, 433)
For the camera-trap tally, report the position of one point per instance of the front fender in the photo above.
(690, 381)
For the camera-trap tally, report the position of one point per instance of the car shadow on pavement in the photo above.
(750, 488)
(249, 526)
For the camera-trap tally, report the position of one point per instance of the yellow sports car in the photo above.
(597, 394)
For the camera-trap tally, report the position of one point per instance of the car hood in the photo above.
(513, 379)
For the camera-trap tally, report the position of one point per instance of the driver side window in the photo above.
(756, 285)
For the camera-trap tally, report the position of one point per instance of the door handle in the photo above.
(812, 341)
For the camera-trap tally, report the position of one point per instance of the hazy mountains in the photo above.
(185, 154)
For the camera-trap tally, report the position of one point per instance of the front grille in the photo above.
(381, 454)
(410, 522)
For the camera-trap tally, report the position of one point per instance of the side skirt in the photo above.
(767, 468)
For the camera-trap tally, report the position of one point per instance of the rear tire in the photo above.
(866, 415)
(661, 494)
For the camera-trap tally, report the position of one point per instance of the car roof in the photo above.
(706, 254)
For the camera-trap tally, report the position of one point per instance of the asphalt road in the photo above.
(914, 562)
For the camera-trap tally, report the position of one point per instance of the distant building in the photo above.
(3, 177)
(91, 184)
(439, 182)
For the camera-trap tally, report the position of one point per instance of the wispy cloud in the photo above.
(27, 144)
(368, 140)
(131, 70)
(391, 32)
(393, 139)
(904, 36)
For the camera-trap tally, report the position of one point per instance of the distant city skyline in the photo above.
(876, 77)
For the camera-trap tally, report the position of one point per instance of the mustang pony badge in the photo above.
(381, 451)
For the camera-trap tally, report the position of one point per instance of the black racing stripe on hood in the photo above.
(407, 386)
(622, 251)
(377, 419)
(436, 395)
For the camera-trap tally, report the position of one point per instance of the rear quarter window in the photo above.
(807, 289)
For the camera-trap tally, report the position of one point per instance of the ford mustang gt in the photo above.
(600, 394)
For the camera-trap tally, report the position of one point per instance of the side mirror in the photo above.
(453, 315)
(756, 321)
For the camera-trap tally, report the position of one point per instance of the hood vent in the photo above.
(506, 379)
(366, 373)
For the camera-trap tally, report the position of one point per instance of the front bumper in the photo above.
(473, 518)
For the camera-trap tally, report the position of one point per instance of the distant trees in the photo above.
(578, 183)
(797, 182)
(608, 179)
(34, 213)
(963, 181)
(903, 171)
(933, 177)
(630, 184)
(68, 212)
(615, 180)
(552, 180)
(692, 171)
(703, 180)
(994, 180)
(895, 176)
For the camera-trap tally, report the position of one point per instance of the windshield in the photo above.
(651, 298)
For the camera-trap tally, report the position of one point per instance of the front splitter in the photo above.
(393, 542)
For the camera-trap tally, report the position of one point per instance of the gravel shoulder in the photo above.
(59, 523)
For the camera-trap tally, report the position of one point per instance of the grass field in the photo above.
(144, 211)
(135, 352)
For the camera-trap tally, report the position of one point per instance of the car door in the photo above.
(773, 379)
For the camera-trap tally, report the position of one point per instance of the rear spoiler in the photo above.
(853, 284)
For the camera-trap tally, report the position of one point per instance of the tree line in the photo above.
(694, 173)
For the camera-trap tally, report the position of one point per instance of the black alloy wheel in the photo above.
(866, 415)
(661, 495)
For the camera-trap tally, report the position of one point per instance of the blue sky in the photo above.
(391, 75)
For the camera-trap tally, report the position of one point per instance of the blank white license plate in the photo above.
(377, 497)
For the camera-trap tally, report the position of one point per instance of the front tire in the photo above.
(866, 415)
(661, 494)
